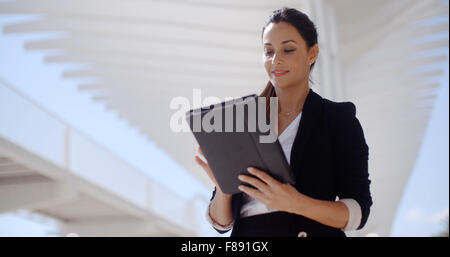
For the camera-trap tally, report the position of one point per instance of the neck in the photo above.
(292, 99)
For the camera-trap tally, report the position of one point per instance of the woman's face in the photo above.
(286, 57)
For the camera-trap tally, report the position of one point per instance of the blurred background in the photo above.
(85, 88)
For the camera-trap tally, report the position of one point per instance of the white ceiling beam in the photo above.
(146, 11)
(97, 27)
(148, 64)
(355, 81)
(122, 45)
(166, 57)
(398, 51)
(418, 87)
(114, 227)
(35, 195)
(354, 46)
(400, 66)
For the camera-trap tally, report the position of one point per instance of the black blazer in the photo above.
(329, 158)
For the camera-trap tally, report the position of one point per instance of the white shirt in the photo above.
(252, 206)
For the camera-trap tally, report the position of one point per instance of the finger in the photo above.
(263, 176)
(200, 151)
(258, 195)
(200, 161)
(254, 182)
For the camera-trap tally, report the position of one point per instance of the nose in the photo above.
(276, 59)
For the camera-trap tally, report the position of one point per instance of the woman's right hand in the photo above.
(208, 170)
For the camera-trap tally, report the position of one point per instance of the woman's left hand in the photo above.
(271, 192)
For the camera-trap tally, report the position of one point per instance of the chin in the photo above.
(280, 84)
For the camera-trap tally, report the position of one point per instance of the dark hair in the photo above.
(304, 26)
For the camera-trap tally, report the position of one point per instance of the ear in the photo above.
(313, 53)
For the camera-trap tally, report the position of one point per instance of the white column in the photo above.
(327, 72)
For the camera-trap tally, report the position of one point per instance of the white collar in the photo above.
(291, 125)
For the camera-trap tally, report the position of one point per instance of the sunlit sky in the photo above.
(421, 212)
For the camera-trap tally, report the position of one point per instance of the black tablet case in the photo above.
(230, 153)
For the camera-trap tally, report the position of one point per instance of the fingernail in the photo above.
(240, 177)
(250, 169)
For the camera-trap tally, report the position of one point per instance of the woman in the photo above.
(322, 140)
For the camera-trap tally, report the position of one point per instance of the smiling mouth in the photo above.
(279, 73)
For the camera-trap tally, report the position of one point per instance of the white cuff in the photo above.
(355, 215)
(216, 225)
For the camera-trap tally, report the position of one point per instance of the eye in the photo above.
(269, 52)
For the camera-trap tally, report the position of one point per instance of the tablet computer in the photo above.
(232, 143)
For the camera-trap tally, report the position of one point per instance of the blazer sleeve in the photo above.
(219, 228)
(351, 159)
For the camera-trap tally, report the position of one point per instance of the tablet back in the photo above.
(229, 154)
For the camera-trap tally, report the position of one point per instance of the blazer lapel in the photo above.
(311, 113)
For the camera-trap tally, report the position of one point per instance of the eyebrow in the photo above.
(284, 42)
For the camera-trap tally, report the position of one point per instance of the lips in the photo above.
(279, 73)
